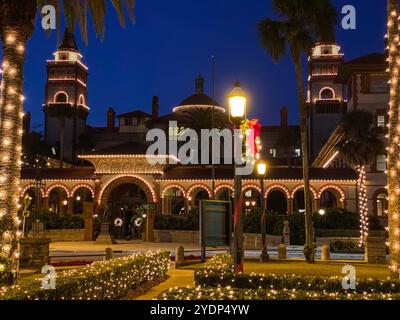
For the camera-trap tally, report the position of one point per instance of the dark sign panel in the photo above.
(215, 223)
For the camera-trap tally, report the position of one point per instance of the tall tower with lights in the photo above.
(66, 108)
(325, 96)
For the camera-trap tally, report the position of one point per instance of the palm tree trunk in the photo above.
(16, 28)
(393, 181)
(309, 250)
(362, 204)
(62, 129)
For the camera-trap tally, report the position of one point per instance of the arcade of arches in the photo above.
(87, 191)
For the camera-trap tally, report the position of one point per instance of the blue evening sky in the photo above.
(171, 43)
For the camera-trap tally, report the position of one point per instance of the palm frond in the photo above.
(271, 35)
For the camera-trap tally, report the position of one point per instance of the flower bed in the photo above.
(252, 294)
(105, 280)
(218, 272)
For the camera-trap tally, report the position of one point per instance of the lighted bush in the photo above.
(229, 293)
(218, 272)
(6, 276)
(105, 280)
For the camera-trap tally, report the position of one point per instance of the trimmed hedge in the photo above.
(189, 222)
(104, 280)
(218, 272)
(53, 221)
(6, 276)
(250, 294)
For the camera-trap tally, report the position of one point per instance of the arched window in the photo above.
(327, 94)
(328, 200)
(61, 97)
(381, 205)
(81, 100)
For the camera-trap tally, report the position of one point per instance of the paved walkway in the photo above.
(177, 278)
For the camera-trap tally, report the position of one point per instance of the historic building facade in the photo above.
(117, 174)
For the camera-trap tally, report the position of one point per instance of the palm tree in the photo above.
(359, 144)
(62, 113)
(393, 182)
(17, 20)
(302, 23)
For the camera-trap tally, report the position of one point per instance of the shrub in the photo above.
(218, 273)
(6, 276)
(190, 221)
(54, 221)
(104, 280)
(345, 246)
(228, 293)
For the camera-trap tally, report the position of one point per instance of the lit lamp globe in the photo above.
(237, 104)
(261, 167)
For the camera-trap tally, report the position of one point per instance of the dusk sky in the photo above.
(171, 43)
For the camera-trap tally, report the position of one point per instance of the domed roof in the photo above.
(199, 99)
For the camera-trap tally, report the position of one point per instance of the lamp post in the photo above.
(237, 112)
(261, 167)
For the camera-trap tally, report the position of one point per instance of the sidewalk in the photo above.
(177, 278)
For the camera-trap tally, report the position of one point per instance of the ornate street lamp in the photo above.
(237, 112)
(261, 168)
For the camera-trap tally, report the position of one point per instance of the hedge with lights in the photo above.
(104, 280)
(218, 272)
(229, 293)
(6, 276)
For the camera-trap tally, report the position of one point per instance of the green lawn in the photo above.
(332, 268)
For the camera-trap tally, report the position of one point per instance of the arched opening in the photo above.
(277, 202)
(36, 198)
(381, 203)
(61, 97)
(81, 100)
(125, 202)
(251, 200)
(328, 199)
(197, 195)
(58, 201)
(81, 196)
(174, 202)
(327, 94)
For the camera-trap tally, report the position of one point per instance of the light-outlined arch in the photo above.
(61, 93)
(324, 89)
(82, 186)
(301, 186)
(251, 186)
(198, 186)
(279, 187)
(28, 187)
(177, 186)
(57, 185)
(127, 179)
(81, 100)
(332, 187)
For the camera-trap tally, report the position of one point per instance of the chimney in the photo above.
(284, 117)
(27, 123)
(155, 108)
(199, 84)
(110, 119)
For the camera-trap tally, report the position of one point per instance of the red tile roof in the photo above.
(64, 173)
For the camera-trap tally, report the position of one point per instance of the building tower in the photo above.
(66, 87)
(325, 96)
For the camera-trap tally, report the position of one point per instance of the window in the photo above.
(272, 153)
(175, 132)
(327, 94)
(61, 97)
(128, 121)
(380, 121)
(381, 163)
(379, 84)
(381, 205)
(297, 153)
